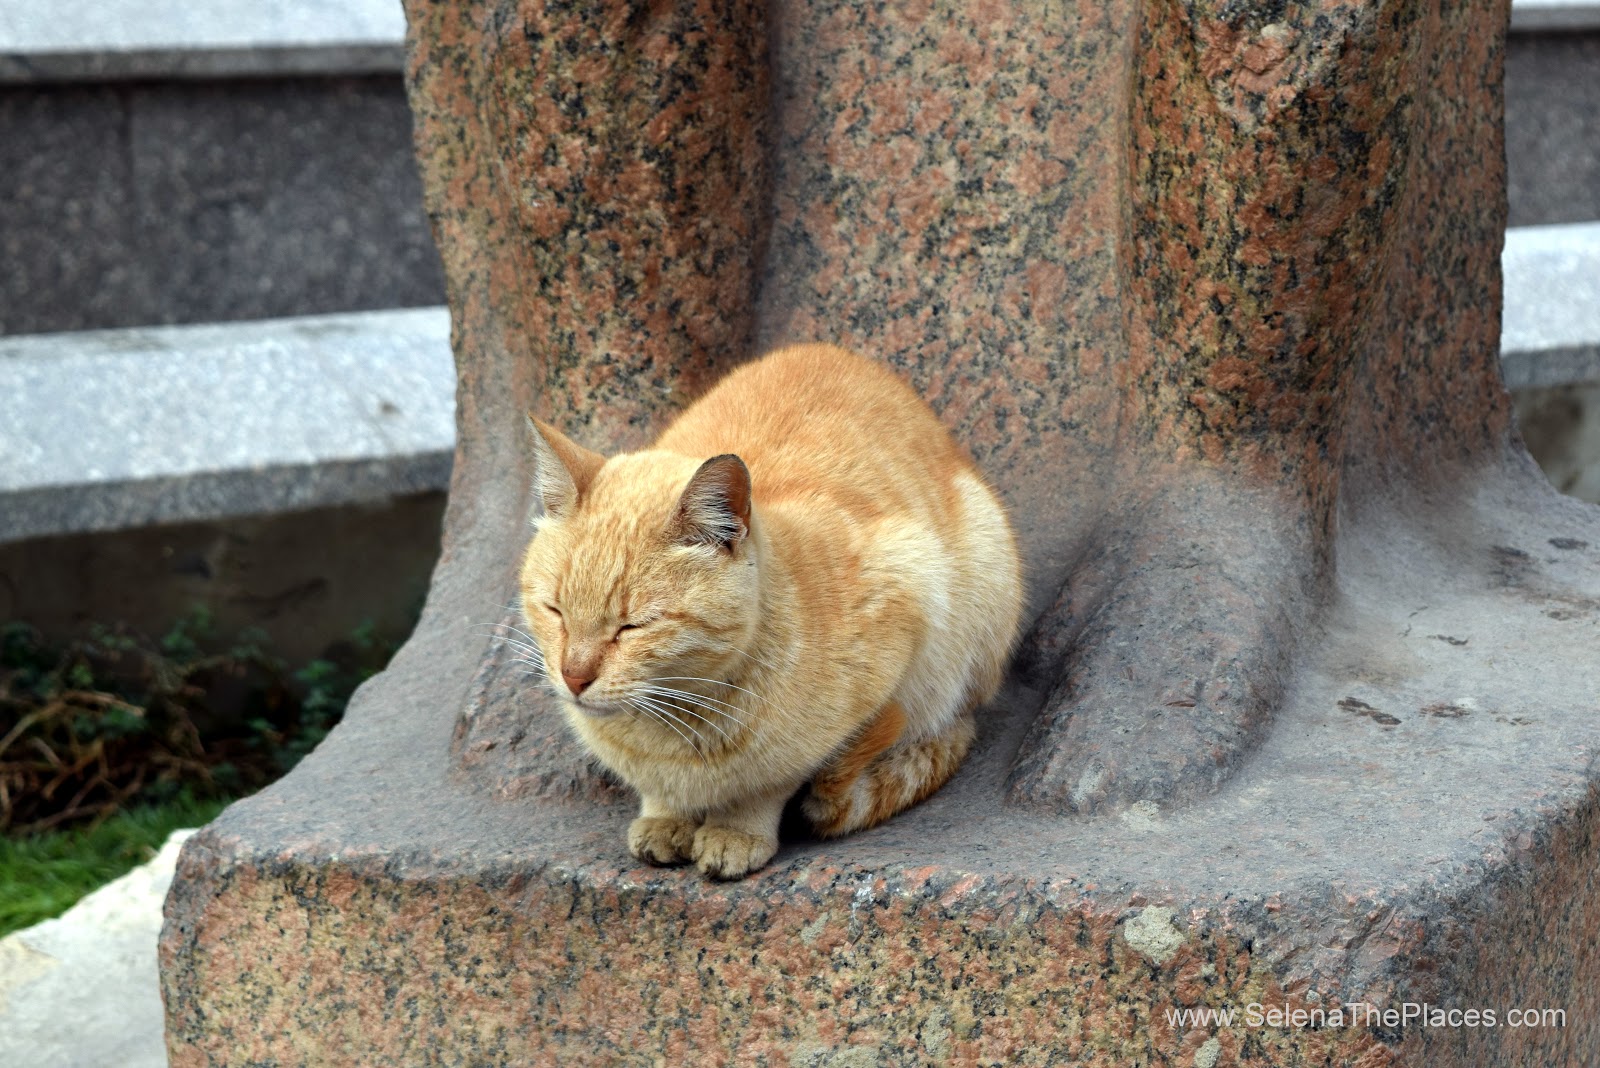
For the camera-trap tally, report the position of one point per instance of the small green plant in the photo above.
(116, 720)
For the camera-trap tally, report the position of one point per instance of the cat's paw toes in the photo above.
(724, 853)
(662, 839)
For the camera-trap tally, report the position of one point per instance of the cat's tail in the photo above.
(879, 775)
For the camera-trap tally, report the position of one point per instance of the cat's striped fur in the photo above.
(804, 581)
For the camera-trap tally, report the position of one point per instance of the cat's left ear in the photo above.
(562, 469)
(715, 507)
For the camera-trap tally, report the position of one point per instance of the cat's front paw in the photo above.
(724, 853)
(662, 839)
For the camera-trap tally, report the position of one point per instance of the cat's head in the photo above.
(641, 572)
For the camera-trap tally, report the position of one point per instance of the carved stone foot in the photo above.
(1173, 644)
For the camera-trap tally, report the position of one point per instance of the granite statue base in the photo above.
(1418, 835)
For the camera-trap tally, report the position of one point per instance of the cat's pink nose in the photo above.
(576, 683)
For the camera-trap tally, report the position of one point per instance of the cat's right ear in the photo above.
(714, 510)
(562, 469)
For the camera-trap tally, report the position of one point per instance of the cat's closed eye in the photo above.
(616, 635)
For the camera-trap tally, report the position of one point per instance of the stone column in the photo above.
(1306, 713)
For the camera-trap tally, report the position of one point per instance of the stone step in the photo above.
(1550, 344)
(123, 428)
(95, 40)
(89, 40)
(1552, 103)
(113, 429)
(1550, 332)
(1545, 16)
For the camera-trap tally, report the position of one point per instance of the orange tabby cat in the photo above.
(825, 599)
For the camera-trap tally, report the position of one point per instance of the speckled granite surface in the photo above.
(1215, 300)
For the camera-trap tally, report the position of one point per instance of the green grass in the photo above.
(110, 742)
(44, 874)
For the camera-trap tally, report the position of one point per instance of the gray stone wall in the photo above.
(1553, 127)
(138, 203)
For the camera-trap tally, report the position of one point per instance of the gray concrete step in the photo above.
(112, 429)
(87, 40)
(1553, 112)
(134, 203)
(1538, 16)
(1550, 341)
(93, 40)
(1550, 331)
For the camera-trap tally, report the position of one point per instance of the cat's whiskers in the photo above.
(677, 689)
(710, 704)
(528, 652)
(681, 700)
(524, 646)
(516, 632)
(699, 743)
(538, 669)
(706, 721)
(528, 656)
(661, 715)
(517, 638)
(709, 682)
(764, 663)
(525, 640)
(530, 646)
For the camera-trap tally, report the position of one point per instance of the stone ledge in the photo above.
(223, 201)
(1550, 332)
(110, 429)
(91, 40)
(1547, 16)
(1552, 145)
